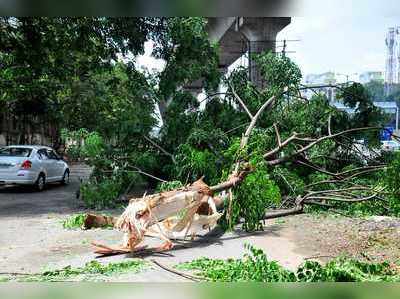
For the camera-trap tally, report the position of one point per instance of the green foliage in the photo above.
(74, 221)
(288, 180)
(252, 197)
(91, 271)
(255, 267)
(93, 146)
(346, 270)
(100, 195)
(189, 54)
(258, 191)
(192, 163)
(392, 179)
(117, 103)
(107, 109)
(168, 186)
(376, 89)
(82, 144)
(74, 141)
(278, 71)
(35, 69)
(180, 118)
(366, 114)
(77, 221)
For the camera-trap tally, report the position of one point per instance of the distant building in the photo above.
(389, 108)
(392, 73)
(324, 78)
(28, 130)
(318, 83)
(330, 78)
(367, 77)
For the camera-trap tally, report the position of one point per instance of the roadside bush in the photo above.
(74, 142)
(393, 183)
(100, 195)
(255, 267)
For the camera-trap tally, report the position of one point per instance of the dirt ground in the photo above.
(32, 238)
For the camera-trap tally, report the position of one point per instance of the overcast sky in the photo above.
(340, 44)
(343, 36)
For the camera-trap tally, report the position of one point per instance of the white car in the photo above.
(390, 145)
(31, 165)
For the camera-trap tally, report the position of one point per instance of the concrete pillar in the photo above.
(261, 35)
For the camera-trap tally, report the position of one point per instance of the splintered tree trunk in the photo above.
(160, 206)
(142, 213)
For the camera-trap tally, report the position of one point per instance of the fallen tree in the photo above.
(196, 205)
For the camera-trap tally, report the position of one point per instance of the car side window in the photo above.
(43, 154)
(52, 155)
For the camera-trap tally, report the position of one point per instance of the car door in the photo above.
(58, 165)
(52, 165)
(46, 163)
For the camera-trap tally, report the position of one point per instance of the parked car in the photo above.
(390, 145)
(31, 165)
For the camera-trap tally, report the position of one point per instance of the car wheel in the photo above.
(65, 179)
(40, 182)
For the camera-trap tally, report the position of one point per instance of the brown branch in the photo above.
(246, 136)
(373, 167)
(182, 274)
(283, 213)
(313, 193)
(241, 101)
(310, 145)
(138, 170)
(278, 136)
(340, 175)
(253, 122)
(160, 148)
(341, 199)
(234, 180)
(237, 177)
(316, 168)
(329, 125)
(279, 148)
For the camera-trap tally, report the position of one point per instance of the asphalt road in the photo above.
(32, 238)
(18, 201)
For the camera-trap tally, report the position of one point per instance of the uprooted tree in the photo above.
(255, 149)
(293, 154)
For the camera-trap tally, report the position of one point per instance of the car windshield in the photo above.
(15, 152)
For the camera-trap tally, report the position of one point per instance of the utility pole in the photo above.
(284, 48)
(347, 76)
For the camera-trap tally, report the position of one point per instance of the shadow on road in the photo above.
(214, 237)
(17, 201)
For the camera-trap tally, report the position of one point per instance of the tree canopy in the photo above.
(140, 128)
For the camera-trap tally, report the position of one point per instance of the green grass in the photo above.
(92, 271)
(77, 221)
(74, 222)
(256, 267)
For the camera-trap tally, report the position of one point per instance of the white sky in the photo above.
(340, 44)
(343, 36)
